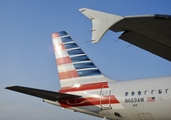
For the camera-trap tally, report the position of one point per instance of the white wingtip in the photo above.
(101, 22)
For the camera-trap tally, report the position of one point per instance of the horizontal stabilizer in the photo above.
(49, 95)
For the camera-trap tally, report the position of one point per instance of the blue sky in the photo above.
(27, 56)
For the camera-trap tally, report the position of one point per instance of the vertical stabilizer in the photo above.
(74, 66)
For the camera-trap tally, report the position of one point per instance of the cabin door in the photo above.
(105, 98)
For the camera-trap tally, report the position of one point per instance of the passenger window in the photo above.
(146, 92)
(152, 92)
(133, 93)
(126, 94)
(167, 91)
(160, 91)
(139, 92)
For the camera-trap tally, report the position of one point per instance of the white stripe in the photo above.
(73, 48)
(83, 62)
(69, 42)
(56, 41)
(83, 80)
(77, 55)
(64, 36)
(86, 69)
(61, 54)
(67, 83)
(88, 93)
(65, 67)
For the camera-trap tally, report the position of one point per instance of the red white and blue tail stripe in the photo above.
(79, 76)
(74, 66)
(84, 87)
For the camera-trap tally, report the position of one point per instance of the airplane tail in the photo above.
(74, 66)
(76, 73)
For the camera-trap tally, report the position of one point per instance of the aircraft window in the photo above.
(146, 92)
(126, 94)
(152, 92)
(133, 93)
(139, 92)
(160, 91)
(167, 91)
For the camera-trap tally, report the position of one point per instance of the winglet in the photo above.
(101, 22)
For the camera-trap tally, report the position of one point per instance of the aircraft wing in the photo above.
(149, 32)
(49, 95)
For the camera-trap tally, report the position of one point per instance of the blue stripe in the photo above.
(62, 33)
(88, 73)
(66, 39)
(70, 45)
(75, 52)
(79, 58)
(84, 65)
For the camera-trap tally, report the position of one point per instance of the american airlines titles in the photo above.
(134, 100)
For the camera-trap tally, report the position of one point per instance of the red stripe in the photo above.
(55, 35)
(68, 74)
(85, 87)
(62, 46)
(88, 101)
(64, 60)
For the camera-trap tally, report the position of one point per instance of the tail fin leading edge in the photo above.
(74, 66)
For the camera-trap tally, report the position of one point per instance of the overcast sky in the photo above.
(27, 58)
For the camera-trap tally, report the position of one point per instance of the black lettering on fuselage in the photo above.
(134, 100)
